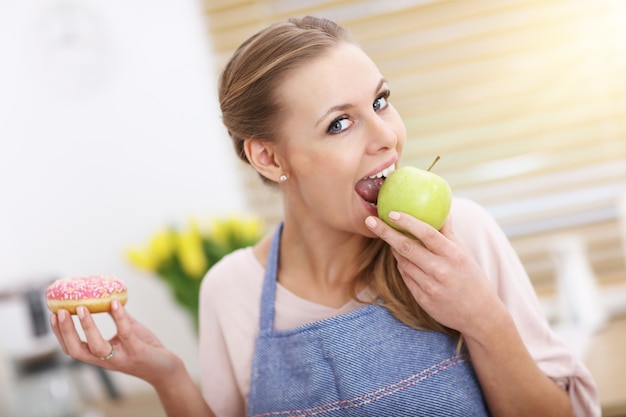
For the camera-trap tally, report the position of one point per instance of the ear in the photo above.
(262, 156)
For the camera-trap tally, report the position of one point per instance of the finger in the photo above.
(73, 344)
(383, 230)
(408, 267)
(414, 276)
(399, 241)
(448, 230)
(418, 285)
(414, 288)
(122, 320)
(54, 325)
(427, 235)
(97, 345)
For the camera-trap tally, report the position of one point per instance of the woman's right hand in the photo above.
(137, 351)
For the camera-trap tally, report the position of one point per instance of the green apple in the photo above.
(422, 194)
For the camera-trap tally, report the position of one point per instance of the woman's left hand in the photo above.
(442, 276)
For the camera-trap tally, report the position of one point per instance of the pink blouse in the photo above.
(229, 314)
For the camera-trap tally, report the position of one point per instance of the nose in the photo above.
(382, 134)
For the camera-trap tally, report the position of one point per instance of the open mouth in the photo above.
(368, 187)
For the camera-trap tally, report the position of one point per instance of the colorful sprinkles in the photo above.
(81, 288)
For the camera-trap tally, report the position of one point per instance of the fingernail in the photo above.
(81, 311)
(53, 319)
(394, 215)
(370, 221)
(115, 304)
(62, 315)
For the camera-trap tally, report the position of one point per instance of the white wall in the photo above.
(109, 129)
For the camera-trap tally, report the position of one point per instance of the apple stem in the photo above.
(433, 164)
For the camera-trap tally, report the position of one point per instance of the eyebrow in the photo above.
(342, 107)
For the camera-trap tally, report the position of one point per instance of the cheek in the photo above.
(401, 137)
(325, 171)
(308, 164)
(400, 129)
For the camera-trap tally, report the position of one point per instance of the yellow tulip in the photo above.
(219, 231)
(190, 251)
(158, 250)
(251, 229)
(162, 245)
(224, 230)
(142, 259)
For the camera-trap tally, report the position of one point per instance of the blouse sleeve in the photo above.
(489, 245)
(218, 377)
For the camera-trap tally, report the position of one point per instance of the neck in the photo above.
(319, 264)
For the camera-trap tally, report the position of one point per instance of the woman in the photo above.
(336, 313)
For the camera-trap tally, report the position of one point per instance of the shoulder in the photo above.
(237, 275)
(229, 315)
(464, 208)
(484, 239)
(473, 222)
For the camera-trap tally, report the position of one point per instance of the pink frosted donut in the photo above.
(94, 292)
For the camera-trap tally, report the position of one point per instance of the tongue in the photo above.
(368, 189)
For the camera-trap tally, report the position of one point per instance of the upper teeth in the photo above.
(384, 173)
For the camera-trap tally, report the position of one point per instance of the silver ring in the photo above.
(110, 355)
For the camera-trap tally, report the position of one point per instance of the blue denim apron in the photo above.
(363, 363)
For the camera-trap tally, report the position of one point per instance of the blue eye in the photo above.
(339, 125)
(382, 101)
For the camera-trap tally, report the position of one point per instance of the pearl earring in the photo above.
(282, 178)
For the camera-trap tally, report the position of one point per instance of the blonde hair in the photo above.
(249, 110)
(258, 66)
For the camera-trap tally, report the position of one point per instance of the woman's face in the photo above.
(337, 128)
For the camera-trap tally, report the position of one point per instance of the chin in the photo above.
(369, 234)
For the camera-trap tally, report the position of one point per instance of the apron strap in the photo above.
(268, 293)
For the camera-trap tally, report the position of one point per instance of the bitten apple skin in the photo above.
(422, 194)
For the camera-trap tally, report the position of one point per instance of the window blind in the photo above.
(525, 102)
